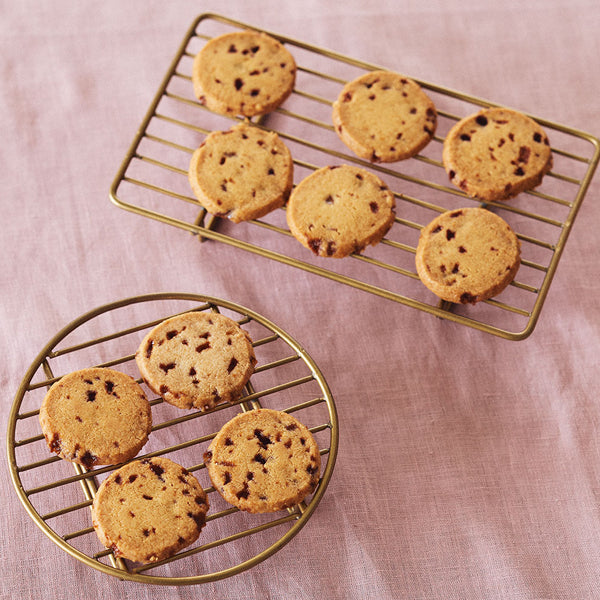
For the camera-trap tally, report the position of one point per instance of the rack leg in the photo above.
(211, 222)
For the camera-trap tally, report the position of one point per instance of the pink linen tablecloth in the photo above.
(468, 464)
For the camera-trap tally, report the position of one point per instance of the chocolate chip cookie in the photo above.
(496, 154)
(338, 210)
(196, 360)
(243, 173)
(467, 255)
(383, 116)
(96, 416)
(149, 509)
(243, 73)
(263, 461)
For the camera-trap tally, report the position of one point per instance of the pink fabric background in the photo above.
(468, 465)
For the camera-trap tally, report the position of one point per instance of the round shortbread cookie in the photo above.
(243, 73)
(149, 509)
(383, 116)
(263, 460)
(243, 173)
(96, 416)
(196, 360)
(496, 154)
(339, 210)
(467, 255)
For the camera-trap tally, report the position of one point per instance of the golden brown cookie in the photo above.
(496, 154)
(243, 73)
(149, 509)
(243, 173)
(196, 360)
(383, 116)
(96, 416)
(339, 210)
(263, 460)
(467, 255)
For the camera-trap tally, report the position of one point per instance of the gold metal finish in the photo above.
(152, 182)
(285, 378)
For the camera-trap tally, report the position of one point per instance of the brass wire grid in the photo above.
(152, 182)
(58, 501)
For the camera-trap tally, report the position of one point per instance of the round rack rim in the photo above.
(211, 301)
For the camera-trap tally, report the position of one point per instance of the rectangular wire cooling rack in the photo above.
(152, 182)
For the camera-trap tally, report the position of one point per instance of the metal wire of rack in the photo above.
(152, 182)
(58, 501)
